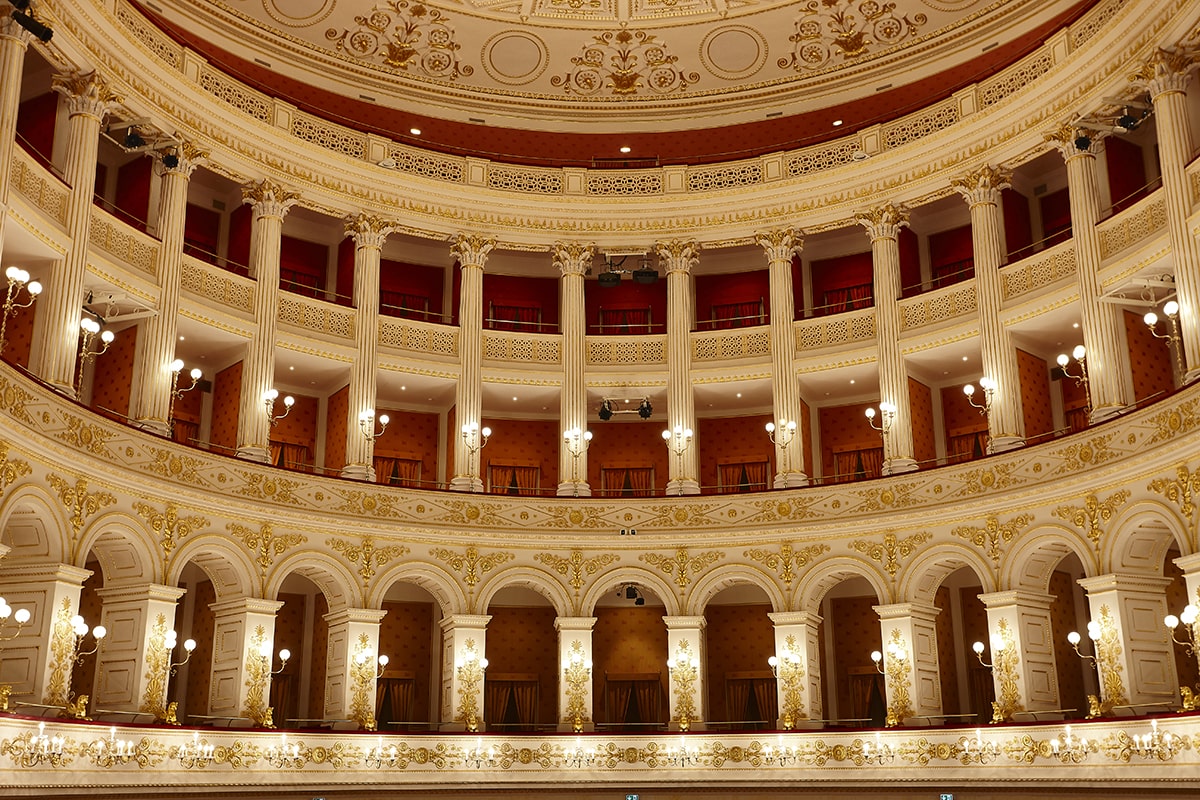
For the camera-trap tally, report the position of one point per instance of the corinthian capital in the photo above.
(9, 28)
(1067, 138)
(368, 231)
(573, 258)
(1166, 70)
(983, 185)
(678, 255)
(471, 249)
(883, 222)
(780, 245)
(187, 158)
(269, 198)
(86, 93)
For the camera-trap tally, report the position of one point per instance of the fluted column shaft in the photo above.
(369, 235)
(1006, 427)
(780, 246)
(271, 204)
(14, 41)
(678, 259)
(883, 225)
(471, 252)
(158, 342)
(88, 102)
(1166, 75)
(572, 261)
(1103, 337)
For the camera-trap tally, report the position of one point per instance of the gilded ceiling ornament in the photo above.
(1181, 490)
(410, 37)
(265, 544)
(470, 564)
(845, 30)
(682, 563)
(170, 527)
(576, 565)
(891, 550)
(993, 534)
(366, 555)
(624, 62)
(78, 500)
(1092, 513)
(11, 469)
(786, 558)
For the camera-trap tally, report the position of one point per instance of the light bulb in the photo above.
(486, 432)
(998, 644)
(1073, 637)
(176, 365)
(770, 427)
(12, 272)
(285, 654)
(196, 374)
(289, 401)
(189, 644)
(876, 656)
(1150, 319)
(1093, 630)
(987, 384)
(383, 419)
(666, 435)
(1170, 309)
(265, 649)
(99, 631)
(870, 412)
(1171, 621)
(1062, 359)
(773, 661)
(270, 394)
(969, 390)
(107, 337)
(887, 408)
(1080, 352)
(22, 616)
(34, 288)
(978, 648)
(383, 660)
(1189, 614)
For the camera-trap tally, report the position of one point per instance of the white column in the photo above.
(1166, 75)
(910, 661)
(678, 259)
(572, 261)
(14, 41)
(1103, 334)
(686, 668)
(88, 101)
(38, 663)
(1134, 655)
(369, 235)
(1006, 426)
(130, 673)
(241, 676)
(157, 344)
(271, 203)
(351, 665)
(471, 252)
(780, 246)
(1025, 673)
(576, 689)
(464, 644)
(798, 667)
(883, 225)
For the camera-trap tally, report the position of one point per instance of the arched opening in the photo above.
(629, 643)
(740, 639)
(966, 683)
(298, 685)
(1069, 612)
(406, 698)
(519, 690)
(853, 689)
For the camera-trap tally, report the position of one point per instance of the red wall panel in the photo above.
(1126, 172)
(732, 440)
(839, 273)
(625, 445)
(36, 120)
(510, 290)
(628, 295)
(238, 248)
(1149, 359)
(1018, 223)
(113, 374)
(227, 392)
(526, 443)
(920, 401)
(741, 639)
(132, 197)
(337, 410)
(628, 639)
(411, 435)
(743, 287)
(523, 640)
(1035, 395)
(201, 232)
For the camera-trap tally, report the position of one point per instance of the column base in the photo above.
(574, 489)
(1104, 412)
(897, 466)
(788, 480)
(155, 426)
(682, 486)
(466, 483)
(359, 472)
(1002, 444)
(1191, 376)
(66, 390)
(249, 452)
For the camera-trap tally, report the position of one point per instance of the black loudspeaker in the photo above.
(609, 279)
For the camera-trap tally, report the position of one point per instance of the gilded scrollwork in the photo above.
(828, 31)
(1181, 490)
(577, 565)
(406, 36)
(269, 487)
(11, 468)
(682, 563)
(264, 544)
(158, 665)
(891, 550)
(78, 500)
(994, 534)
(470, 564)
(366, 555)
(1090, 517)
(89, 436)
(62, 656)
(1004, 668)
(169, 526)
(624, 62)
(787, 559)
(1108, 660)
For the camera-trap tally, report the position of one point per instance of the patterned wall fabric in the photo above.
(738, 639)
(1063, 620)
(524, 443)
(411, 435)
(921, 401)
(523, 640)
(844, 428)
(732, 440)
(203, 630)
(945, 650)
(113, 375)
(627, 640)
(227, 391)
(337, 407)
(406, 636)
(1035, 394)
(856, 634)
(1153, 373)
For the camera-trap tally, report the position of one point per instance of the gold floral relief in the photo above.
(78, 500)
(1108, 659)
(892, 550)
(11, 469)
(1180, 490)
(829, 31)
(682, 563)
(366, 556)
(158, 665)
(624, 63)
(1090, 517)
(993, 534)
(786, 559)
(405, 36)
(169, 526)
(470, 564)
(62, 656)
(264, 544)
(576, 565)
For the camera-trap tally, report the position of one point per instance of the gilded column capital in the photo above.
(86, 92)
(678, 255)
(572, 258)
(983, 186)
(9, 29)
(883, 222)
(368, 231)
(780, 244)
(1166, 70)
(269, 198)
(471, 249)
(187, 157)
(1067, 139)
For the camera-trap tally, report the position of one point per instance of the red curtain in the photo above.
(750, 476)
(628, 482)
(848, 298)
(967, 446)
(401, 304)
(738, 315)
(185, 431)
(514, 480)
(514, 318)
(291, 456)
(857, 465)
(397, 471)
(634, 321)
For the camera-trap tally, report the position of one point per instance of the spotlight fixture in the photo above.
(610, 406)
(19, 5)
(1127, 122)
(1082, 142)
(606, 411)
(644, 276)
(133, 139)
(170, 161)
(609, 279)
(645, 409)
(614, 269)
(32, 25)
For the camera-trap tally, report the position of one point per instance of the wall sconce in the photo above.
(789, 671)
(265, 650)
(177, 391)
(678, 439)
(80, 628)
(1188, 617)
(1080, 355)
(989, 390)
(1072, 749)
(579, 756)
(380, 756)
(366, 424)
(780, 754)
(365, 671)
(110, 751)
(269, 398)
(1096, 707)
(896, 669)
(887, 414)
(17, 278)
(882, 754)
(684, 669)
(189, 646)
(21, 617)
(469, 668)
(31, 750)
(479, 758)
(284, 755)
(1154, 745)
(89, 328)
(781, 437)
(978, 750)
(577, 443)
(195, 753)
(475, 438)
(1170, 309)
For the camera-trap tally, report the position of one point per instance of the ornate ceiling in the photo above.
(620, 66)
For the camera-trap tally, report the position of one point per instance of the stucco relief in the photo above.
(831, 31)
(623, 63)
(410, 37)
(734, 51)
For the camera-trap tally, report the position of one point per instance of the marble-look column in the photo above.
(678, 259)
(464, 643)
(1103, 333)
(883, 226)
(369, 234)
(132, 666)
(38, 663)
(572, 261)
(910, 661)
(780, 246)
(159, 333)
(240, 683)
(1024, 670)
(471, 251)
(14, 41)
(1006, 426)
(89, 100)
(686, 667)
(271, 204)
(352, 661)
(576, 690)
(1166, 75)
(798, 667)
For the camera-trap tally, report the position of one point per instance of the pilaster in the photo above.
(14, 42)
(352, 658)
(910, 661)
(576, 690)
(1024, 673)
(686, 659)
(132, 666)
(798, 667)
(572, 261)
(464, 643)
(241, 675)
(38, 663)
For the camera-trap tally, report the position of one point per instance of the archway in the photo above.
(740, 638)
